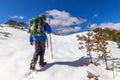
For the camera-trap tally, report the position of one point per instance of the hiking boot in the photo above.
(33, 63)
(42, 64)
(32, 66)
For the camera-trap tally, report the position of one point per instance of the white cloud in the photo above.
(63, 18)
(17, 17)
(95, 15)
(62, 21)
(115, 26)
(66, 30)
(93, 26)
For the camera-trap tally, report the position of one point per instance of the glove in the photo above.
(31, 43)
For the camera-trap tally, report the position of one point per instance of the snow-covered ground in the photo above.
(16, 54)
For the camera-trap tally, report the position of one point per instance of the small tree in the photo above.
(88, 41)
(100, 39)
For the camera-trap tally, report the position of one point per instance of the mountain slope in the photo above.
(16, 54)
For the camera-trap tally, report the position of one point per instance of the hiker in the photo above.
(37, 30)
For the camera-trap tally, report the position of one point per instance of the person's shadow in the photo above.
(80, 62)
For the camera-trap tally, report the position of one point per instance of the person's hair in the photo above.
(43, 16)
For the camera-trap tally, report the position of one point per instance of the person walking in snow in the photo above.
(38, 28)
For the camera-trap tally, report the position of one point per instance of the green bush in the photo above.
(113, 35)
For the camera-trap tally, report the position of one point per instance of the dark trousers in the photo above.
(39, 51)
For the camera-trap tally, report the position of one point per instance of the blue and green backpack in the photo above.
(36, 26)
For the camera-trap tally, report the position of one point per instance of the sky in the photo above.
(67, 62)
(67, 16)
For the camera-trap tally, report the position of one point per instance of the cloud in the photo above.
(17, 17)
(65, 30)
(95, 15)
(93, 26)
(63, 22)
(115, 26)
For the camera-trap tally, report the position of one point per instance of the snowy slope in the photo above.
(16, 54)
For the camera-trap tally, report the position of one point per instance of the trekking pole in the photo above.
(51, 42)
(113, 70)
(51, 46)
